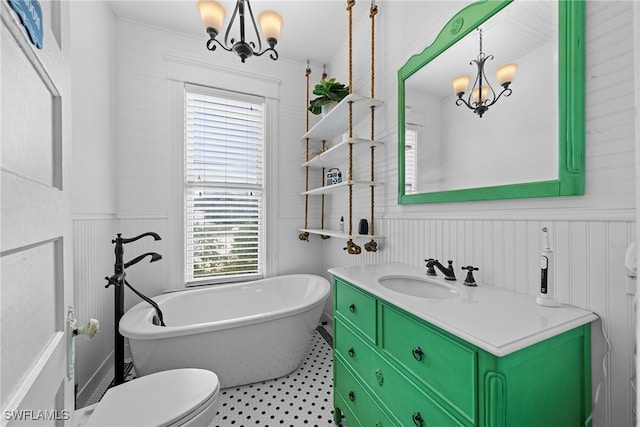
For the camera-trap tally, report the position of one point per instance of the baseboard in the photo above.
(94, 382)
(329, 322)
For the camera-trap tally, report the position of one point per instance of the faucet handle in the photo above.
(115, 280)
(111, 281)
(469, 280)
(430, 270)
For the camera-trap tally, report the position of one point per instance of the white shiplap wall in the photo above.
(93, 260)
(93, 191)
(590, 233)
(134, 167)
(149, 145)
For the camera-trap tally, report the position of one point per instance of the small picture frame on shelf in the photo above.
(334, 176)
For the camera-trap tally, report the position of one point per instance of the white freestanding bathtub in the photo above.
(244, 332)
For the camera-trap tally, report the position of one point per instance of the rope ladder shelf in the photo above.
(354, 108)
(338, 234)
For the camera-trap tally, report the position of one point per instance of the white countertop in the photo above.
(500, 321)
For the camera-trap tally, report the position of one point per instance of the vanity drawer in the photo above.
(357, 354)
(408, 403)
(448, 368)
(351, 397)
(357, 308)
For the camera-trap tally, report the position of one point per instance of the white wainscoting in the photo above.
(93, 260)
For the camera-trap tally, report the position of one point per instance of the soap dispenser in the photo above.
(546, 296)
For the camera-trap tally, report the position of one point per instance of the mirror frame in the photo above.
(571, 108)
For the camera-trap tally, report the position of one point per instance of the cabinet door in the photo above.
(547, 384)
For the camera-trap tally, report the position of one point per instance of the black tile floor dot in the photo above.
(269, 398)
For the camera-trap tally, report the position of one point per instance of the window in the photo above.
(224, 151)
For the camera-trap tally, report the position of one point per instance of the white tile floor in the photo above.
(302, 398)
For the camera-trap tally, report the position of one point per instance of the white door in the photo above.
(36, 230)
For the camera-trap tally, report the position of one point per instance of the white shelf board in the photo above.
(336, 154)
(338, 234)
(336, 122)
(335, 188)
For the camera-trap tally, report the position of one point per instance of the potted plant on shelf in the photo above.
(329, 92)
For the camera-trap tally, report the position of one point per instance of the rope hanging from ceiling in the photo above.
(304, 236)
(372, 246)
(351, 247)
(322, 179)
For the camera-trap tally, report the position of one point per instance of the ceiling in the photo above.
(312, 29)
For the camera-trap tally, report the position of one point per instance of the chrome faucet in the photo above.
(448, 272)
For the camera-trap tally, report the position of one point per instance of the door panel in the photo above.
(36, 229)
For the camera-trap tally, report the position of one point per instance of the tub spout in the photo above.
(124, 240)
(154, 257)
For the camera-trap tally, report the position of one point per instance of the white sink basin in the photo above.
(418, 287)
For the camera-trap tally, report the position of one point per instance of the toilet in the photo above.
(178, 397)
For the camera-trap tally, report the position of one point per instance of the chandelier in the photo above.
(482, 95)
(213, 14)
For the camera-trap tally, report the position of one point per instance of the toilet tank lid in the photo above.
(159, 399)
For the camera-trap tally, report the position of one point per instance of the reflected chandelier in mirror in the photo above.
(478, 99)
(529, 146)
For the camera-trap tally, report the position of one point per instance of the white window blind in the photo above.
(224, 154)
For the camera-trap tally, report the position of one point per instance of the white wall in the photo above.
(129, 169)
(590, 233)
(93, 184)
(149, 148)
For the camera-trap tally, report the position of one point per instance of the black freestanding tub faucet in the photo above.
(118, 281)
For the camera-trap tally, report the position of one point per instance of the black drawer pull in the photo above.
(351, 352)
(417, 353)
(417, 419)
(352, 308)
(352, 396)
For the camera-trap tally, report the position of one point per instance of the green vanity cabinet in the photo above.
(392, 368)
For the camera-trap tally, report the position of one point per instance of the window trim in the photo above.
(187, 185)
(181, 72)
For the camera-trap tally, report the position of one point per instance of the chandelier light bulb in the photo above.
(212, 14)
(270, 22)
(506, 73)
(460, 84)
(475, 95)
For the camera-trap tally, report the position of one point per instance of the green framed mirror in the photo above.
(530, 142)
